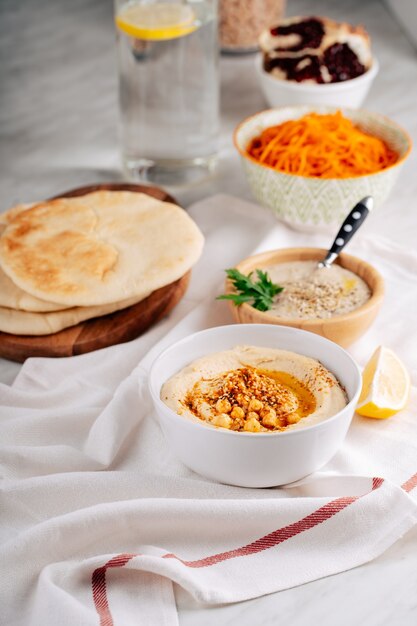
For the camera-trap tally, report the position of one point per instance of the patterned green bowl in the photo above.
(309, 203)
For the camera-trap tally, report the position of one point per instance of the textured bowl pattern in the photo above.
(310, 202)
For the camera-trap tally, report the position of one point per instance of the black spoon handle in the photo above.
(349, 227)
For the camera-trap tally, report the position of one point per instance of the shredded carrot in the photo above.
(322, 146)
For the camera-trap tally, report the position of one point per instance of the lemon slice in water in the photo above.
(156, 21)
(386, 385)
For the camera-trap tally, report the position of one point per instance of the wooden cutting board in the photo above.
(107, 330)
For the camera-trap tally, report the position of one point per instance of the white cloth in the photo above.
(98, 520)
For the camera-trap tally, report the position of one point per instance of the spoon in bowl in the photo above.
(349, 227)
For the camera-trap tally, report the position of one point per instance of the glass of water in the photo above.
(169, 89)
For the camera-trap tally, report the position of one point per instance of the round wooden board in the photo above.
(107, 330)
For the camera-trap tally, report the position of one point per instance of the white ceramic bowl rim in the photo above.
(305, 109)
(230, 433)
(343, 85)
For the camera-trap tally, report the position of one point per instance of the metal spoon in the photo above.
(349, 227)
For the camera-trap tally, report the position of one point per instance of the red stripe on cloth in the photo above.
(98, 579)
(410, 483)
(376, 483)
(264, 543)
(98, 582)
(277, 536)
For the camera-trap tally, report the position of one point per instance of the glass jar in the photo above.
(242, 21)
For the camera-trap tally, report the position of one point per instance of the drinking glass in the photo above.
(168, 88)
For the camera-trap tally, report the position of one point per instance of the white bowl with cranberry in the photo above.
(312, 60)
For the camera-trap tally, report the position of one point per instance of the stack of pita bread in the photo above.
(67, 260)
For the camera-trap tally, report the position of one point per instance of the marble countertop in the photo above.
(58, 130)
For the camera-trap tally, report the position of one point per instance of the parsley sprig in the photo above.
(258, 293)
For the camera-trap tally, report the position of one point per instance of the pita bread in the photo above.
(7, 216)
(12, 297)
(103, 247)
(26, 323)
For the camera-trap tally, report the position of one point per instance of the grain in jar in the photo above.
(242, 21)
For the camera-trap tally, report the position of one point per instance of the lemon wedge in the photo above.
(385, 385)
(156, 21)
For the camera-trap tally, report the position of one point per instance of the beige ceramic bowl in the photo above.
(342, 329)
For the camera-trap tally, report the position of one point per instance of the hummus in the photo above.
(254, 389)
(310, 292)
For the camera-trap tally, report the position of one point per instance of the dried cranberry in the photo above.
(290, 67)
(342, 62)
(311, 32)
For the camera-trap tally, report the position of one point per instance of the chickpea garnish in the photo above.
(252, 425)
(255, 405)
(222, 420)
(293, 418)
(205, 410)
(237, 413)
(269, 417)
(223, 405)
(245, 399)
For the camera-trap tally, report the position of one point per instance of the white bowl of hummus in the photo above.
(254, 405)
